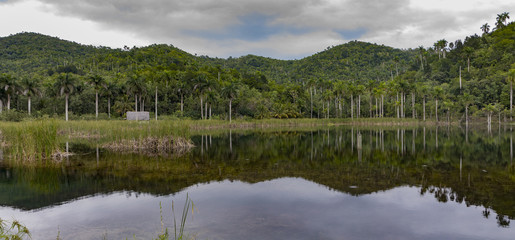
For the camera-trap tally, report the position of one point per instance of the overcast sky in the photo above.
(284, 29)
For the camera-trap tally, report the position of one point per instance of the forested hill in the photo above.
(30, 53)
(33, 52)
(353, 60)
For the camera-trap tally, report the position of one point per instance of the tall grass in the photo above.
(31, 141)
(179, 234)
(13, 230)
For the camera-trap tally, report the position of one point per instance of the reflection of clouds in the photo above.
(286, 208)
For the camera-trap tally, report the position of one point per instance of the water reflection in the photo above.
(285, 208)
(458, 167)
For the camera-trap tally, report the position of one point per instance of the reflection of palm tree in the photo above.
(66, 85)
(30, 88)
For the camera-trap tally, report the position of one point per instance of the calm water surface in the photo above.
(331, 183)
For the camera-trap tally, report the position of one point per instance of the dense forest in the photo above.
(42, 76)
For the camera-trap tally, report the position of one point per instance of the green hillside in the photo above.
(355, 79)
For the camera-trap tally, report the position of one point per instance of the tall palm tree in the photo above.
(421, 52)
(200, 86)
(485, 28)
(135, 85)
(30, 88)
(66, 84)
(10, 85)
(467, 51)
(109, 91)
(502, 20)
(229, 91)
(437, 94)
(467, 100)
(98, 83)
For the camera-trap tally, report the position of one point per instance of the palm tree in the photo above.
(136, 86)
(421, 52)
(311, 84)
(10, 85)
(66, 84)
(339, 88)
(485, 28)
(109, 91)
(468, 52)
(437, 93)
(467, 100)
(502, 20)
(98, 83)
(370, 85)
(229, 91)
(201, 85)
(30, 88)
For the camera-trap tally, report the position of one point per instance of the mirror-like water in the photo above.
(332, 183)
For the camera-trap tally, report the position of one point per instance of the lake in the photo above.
(300, 183)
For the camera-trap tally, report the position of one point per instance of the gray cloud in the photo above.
(273, 27)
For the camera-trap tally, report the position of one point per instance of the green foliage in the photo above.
(13, 230)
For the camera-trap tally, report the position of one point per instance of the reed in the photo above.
(31, 141)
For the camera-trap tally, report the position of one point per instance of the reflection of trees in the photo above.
(326, 156)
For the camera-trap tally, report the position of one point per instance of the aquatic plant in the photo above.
(13, 230)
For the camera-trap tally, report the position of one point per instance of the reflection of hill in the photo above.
(331, 161)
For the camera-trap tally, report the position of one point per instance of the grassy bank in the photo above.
(36, 141)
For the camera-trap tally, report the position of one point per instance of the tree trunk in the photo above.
(359, 105)
(397, 106)
(1, 106)
(182, 103)
(402, 105)
(66, 106)
(206, 109)
(29, 105)
(436, 110)
(135, 102)
(466, 115)
(109, 107)
(96, 104)
(311, 98)
(351, 107)
(511, 101)
(370, 107)
(468, 64)
(230, 110)
(424, 107)
(201, 108)
(8, 101)
(328, 106)
(460, 77)
(382, 106)
(413, 105)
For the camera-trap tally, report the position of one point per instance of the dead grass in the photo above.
(150, 145)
